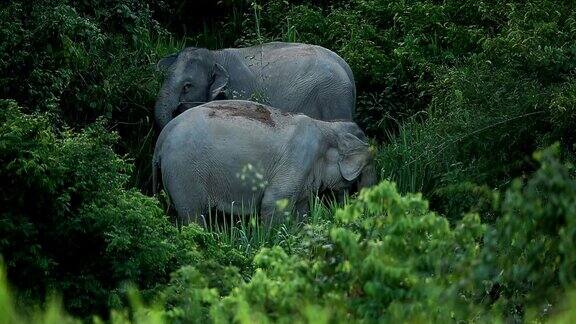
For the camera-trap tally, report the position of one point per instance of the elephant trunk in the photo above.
(368, 177)
(165, 106)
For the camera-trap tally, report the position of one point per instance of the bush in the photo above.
(528, 256)
(85, 60)
(491, 109)
(462, 137)
(380, 260)
(70, 225)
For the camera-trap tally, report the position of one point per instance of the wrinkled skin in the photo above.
(240, 156)
(297, 78)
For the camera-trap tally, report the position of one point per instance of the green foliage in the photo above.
(53, 313)
(529, 255)
(459, 92)
(69, 224)
(462, 137)
(387, 257)
(460, 198)
(490, 110)
(85, 60)
(380, 260)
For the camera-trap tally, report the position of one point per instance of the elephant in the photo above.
(293, 77)
(230, 153)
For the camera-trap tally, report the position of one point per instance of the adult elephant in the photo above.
(239, 153)
(292, 77)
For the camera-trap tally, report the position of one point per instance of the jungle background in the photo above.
(471, 104)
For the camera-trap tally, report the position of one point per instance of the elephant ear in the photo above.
(354, 156)
(219, 81)
(166, 62)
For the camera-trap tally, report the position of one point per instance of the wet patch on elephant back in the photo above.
(255, 112)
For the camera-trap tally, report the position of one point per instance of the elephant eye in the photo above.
(187, 87)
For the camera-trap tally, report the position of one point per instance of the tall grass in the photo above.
(396, 163)
(248, 234)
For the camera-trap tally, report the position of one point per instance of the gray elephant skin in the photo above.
(292, 77)
(241, 156)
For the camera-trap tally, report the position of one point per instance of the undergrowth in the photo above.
(466, 224)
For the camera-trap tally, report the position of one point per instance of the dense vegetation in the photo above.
(472, 105)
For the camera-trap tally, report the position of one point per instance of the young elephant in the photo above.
(231, 153)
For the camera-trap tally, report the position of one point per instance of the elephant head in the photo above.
(350, 160)
(192, 77)
(368, 176)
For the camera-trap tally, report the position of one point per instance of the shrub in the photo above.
(380, 260)
(85, 60)
(463, 197)
(70, 225)
(490, 109)
(462, 136)
(528, 257)
(53, 313)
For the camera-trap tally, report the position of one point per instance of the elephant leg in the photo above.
(191, 203)
(340, 196)
(275, 207)
(303, 209)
